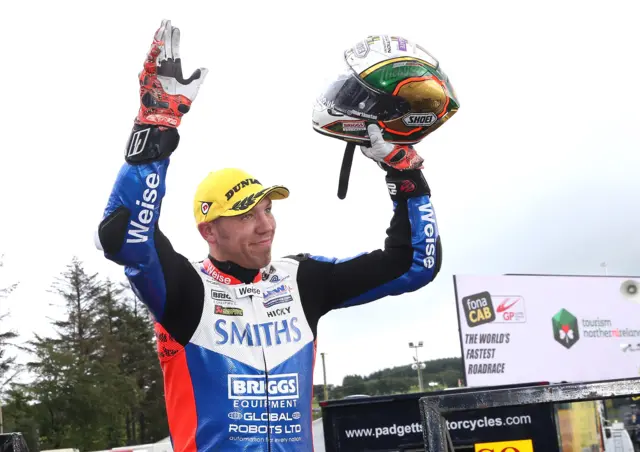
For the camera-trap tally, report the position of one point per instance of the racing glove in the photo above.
(399, 157)
(165, 97)
(401, 163)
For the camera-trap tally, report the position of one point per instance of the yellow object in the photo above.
(579, 427)
(230, 192)
(525, 445)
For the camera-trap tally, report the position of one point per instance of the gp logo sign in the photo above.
(525, 445)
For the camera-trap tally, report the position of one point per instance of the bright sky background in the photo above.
(537, 172)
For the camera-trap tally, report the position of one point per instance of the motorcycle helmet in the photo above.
(388, 81)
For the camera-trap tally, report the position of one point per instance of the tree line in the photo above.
(96, 383)
(442, 373)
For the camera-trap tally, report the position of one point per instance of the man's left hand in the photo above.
(400, 157)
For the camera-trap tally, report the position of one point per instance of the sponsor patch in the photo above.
(279, 311)
(282, 289)
(354, 126)
(276, 301)
(259, 387)
(225, 310)
(220, 295)
(247, 291)
(204, 207)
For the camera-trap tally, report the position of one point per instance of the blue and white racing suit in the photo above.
(237, 346)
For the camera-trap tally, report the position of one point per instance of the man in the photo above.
(236, 332)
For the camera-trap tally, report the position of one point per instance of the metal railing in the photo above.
(434, 409)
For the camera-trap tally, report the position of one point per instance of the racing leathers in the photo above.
(237, 346)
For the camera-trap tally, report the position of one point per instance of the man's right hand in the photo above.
(165, 96)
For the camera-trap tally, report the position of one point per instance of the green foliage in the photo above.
(98, 382)
(397, 380)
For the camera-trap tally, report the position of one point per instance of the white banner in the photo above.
(526, 328)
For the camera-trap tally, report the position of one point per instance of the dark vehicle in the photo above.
(13, 442)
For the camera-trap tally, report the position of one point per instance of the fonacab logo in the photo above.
(478, 309)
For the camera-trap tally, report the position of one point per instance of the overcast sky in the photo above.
(537, 172)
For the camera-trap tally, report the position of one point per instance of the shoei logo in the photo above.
(478, 309)
(259, 387)
(525, 445)
(419, 119)
(565, 328)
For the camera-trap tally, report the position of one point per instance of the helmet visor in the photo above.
(348, 95)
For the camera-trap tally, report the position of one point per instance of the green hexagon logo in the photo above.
(565, 328)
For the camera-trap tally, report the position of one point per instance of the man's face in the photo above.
(246, 239)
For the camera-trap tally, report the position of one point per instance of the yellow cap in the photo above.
(230, 192)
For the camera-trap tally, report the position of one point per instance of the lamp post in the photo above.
(417, 365)
(324, 373)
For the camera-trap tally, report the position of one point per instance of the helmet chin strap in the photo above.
(345, 170)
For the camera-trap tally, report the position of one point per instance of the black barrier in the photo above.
(394, 423)
(494, 425)
(13, 442)
(437, 410)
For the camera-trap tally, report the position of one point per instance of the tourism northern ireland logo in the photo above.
(565, 328)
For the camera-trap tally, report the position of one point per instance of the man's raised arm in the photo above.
(129, 233)
(412, 253)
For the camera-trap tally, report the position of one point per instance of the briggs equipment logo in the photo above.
(257, 387)
(565, 328)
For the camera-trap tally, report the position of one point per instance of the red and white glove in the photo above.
(165, 96)
(400, 157)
